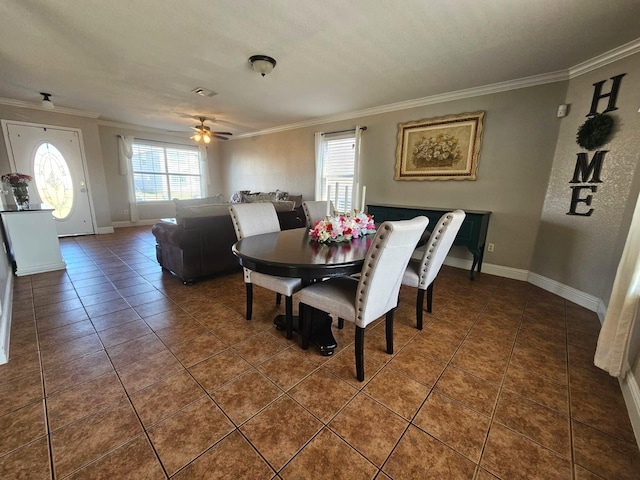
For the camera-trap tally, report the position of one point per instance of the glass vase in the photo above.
(21, 195)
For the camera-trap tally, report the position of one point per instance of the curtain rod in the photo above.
(344, 131)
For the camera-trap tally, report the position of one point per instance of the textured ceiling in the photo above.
(137, 62)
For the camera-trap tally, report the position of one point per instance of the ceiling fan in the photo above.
(204, 133)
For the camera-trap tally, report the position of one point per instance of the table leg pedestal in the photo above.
(321, 335)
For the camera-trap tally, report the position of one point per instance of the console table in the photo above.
(472, 233)
(32, 240)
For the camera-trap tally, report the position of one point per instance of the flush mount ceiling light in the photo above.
(47, 104)
(262, 64)
(203, 92)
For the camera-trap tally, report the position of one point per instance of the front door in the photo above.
(54, 158)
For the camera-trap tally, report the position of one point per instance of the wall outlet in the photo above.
(125, 211)
(490, 247)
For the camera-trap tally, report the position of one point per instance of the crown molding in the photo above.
(37, 106)
(140, 128)
(611, 56)
(421, 102)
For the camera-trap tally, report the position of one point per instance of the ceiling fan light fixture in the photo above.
(47, 104)
(262, 64)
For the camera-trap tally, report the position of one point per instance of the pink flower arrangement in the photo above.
(16, 179)
(343, 228)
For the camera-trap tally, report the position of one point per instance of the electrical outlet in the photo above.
(125, 211)
(490, 247)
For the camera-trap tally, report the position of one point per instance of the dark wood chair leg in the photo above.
(288, 303)
(359, 346)
(388, 324)
(278, 298)
(305, 313)
(340, 323)
(249, 300)
(429, 297)
(419, 306)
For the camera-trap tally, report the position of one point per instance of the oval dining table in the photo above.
(293, 253)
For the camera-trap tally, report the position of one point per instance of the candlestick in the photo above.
(356, 193)
(335, 201)
(328, 200)
(364, 193)
(346, 198)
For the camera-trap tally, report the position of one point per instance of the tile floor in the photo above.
(117, 370)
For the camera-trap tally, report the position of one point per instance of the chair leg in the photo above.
(388, 323)
(289, 317)
(249, 300)
(419, 306)
(429, 297)
(305, 314)
(341, 323)
(359, 346)
(278, 298)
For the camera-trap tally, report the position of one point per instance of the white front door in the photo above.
(54, 158)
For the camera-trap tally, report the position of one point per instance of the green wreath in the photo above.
(595, 132)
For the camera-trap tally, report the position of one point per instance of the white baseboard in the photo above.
(631, 394)
(5, 318)
(568, 293)
(104, 230)
(498, 270)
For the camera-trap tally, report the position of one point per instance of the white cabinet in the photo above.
(33, 240)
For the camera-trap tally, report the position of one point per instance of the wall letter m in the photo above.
(584, 168)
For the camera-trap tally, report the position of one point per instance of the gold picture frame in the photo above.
(443, 148)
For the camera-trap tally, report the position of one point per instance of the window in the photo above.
(164, 171)
(337, 165)
(53, 179)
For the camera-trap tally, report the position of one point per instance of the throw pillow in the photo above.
(283, 206)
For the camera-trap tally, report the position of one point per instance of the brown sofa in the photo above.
(199, 246)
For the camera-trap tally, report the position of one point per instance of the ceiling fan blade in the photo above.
(220, 137)
(223, 133)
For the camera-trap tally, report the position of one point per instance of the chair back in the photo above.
(316, 210)
(438, 246)
(253, 219)
(384, 265)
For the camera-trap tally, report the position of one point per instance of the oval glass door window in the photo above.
(53, 179)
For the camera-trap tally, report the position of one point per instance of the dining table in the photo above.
(293, 253)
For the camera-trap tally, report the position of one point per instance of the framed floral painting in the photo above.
(443, 148)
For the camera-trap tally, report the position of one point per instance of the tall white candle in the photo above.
(346, 198)
(364, 194)
(356, 192)
(328, 200)
(335, 200)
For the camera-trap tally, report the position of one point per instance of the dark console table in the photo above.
(472, 233)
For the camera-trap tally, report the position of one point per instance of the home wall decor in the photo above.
(443, 148)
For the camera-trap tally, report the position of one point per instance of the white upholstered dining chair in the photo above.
(316, 210)
(254, 219)
(421, 273)
(363, 300)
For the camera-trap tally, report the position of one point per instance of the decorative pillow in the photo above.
(258, 197)
(283, 205)
(296, 199)
(236, 197)
(280, 195)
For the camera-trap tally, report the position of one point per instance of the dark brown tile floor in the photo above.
(119, 371)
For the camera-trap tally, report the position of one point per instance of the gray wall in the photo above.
(520, 134)
(583, 252)
(91, 138)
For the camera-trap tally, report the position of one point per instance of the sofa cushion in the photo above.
(258, 197)
(210, 210)
(215, 200)
(283, 206)
(296, 199)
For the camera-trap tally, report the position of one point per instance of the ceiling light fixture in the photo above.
(262, 64)
(203, 133)
(47, 104)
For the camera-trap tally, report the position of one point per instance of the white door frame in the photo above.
(83, 157)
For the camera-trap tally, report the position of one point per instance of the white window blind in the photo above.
(162, 172)
(338, 164)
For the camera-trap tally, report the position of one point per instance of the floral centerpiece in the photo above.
(343, 228)
(19, 183)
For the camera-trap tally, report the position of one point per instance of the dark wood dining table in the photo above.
(293, 253)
